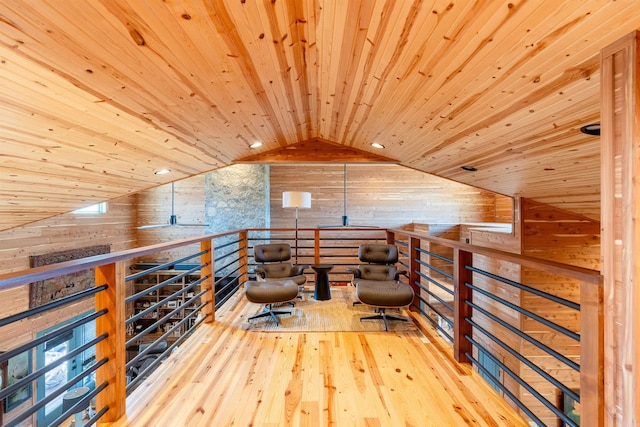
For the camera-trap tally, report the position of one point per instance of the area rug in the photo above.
(335, 315)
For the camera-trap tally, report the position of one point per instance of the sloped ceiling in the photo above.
(97, 95)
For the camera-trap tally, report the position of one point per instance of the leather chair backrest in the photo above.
(378, 253)
(272, 252)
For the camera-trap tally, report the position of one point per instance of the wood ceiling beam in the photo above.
(316, 150)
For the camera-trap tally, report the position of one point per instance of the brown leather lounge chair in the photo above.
(377, 281)
(274, 262)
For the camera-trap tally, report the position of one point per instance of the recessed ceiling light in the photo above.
(592, 129)
(162, 171)
(469, 168)
(376, 145)
(256, 144)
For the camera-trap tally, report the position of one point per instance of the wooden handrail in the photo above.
(585, 275)
(13, 279)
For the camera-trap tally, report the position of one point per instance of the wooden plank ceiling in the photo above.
(97, 95)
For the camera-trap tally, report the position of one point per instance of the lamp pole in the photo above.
(296, 199)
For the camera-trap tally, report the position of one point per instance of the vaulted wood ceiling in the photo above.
(97, 95)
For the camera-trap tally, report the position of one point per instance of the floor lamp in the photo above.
(298, 200)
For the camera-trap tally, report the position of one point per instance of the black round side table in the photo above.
(323, 289)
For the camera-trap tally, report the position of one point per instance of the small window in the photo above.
(93, 209)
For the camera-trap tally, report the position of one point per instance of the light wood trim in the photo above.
(113, 347)
(207, 259)
(461, 310)
(620, 163)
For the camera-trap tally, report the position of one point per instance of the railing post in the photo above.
(316, 246)
(243, 256)
(414, 266)
(113, 347)
(207, 259)
(462, 310)
(591, 355)
(391, 237)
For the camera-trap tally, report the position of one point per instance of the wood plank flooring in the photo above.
(226, 376)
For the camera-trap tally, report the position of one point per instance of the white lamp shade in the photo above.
(296, 199)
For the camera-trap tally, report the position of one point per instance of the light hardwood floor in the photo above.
(226, 376)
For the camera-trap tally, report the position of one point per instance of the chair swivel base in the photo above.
(385, 317)
(268, 311)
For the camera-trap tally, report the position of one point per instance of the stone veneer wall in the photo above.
(237, 197)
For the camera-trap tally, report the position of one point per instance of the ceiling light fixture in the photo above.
(376, 145)
(591, 129)
(256, 144)
(162, 171)
(469, 168)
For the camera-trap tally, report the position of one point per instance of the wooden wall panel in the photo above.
(154, 207)
(554, 234)
(378, 195)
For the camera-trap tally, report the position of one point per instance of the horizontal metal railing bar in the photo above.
(229, 274)
(80, 405)
(161, 321)
(165, 335)
(526, 361)
(526, 288)
(159, 360)
(564, 331)
(93, 420)
(227, 296)
(8, 280)
(435, 282)
(435, 310)
(436, 269)
(527, 337)
(401, 243)
(505, 390)
(226, 244)
(233, 261)
(163, 266)
(54, 394)
(519, 380)
(435, 324)
(44, 338)
(435, 255)
(51, 305)
(162, 284)
(160, 303)
(27, 379)
(583, 274)
(440, 300)
(223, 256)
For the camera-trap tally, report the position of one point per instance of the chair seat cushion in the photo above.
(387, 293)
(271, 291)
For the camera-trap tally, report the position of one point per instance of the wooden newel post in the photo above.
(113, 347)
(461, 310)
(414, 266)
(591, 355)
(207, 259)
(243, 256)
